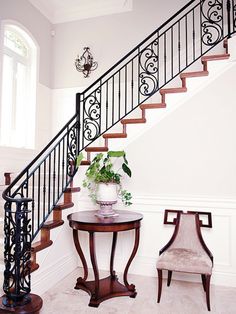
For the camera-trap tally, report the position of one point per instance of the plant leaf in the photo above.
(120, 153)
(125, 160)
(126, 170)
(79, 159)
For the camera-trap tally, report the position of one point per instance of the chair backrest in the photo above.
(187, 236)
(187, 233)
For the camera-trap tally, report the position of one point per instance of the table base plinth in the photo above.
(109, 287)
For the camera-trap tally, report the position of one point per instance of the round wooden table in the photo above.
(103, 289)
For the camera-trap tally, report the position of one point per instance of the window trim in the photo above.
(34, 63)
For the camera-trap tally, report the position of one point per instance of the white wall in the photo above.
(109, 37)
(191, 152)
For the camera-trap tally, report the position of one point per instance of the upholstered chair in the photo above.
(186, 251)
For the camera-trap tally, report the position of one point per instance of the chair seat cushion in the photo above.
(185, 260)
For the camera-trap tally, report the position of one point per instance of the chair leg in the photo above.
(159, 284)
(204, 282)
(208, 279)
(169, 278)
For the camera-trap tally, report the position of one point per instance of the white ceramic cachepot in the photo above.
(106, 196)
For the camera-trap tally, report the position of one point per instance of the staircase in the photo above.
(34, 201)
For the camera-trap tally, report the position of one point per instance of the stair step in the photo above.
(85, 163)
(152, 106)
(173, 90)
(194, 74)
(96, 149)
(216, 57)
(53, 224)
(33, 267)
(72, 190)
(61, 206)
(40, 245)
(115, 135)
(133, 121)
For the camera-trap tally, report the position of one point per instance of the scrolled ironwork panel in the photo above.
(17, 252)
(212, 21)
(148, 63)
(72, 149)
(92, 115)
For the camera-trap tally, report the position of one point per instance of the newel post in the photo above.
(17, 253)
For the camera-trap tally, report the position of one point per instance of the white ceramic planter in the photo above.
(107, 192)
(106, 196)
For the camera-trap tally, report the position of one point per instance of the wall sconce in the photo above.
(85, 63)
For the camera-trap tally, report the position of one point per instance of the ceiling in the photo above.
(60, 11)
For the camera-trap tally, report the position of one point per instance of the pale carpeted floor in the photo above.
(179, 298)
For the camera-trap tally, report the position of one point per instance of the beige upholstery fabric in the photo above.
(185, 260)
(186, 254)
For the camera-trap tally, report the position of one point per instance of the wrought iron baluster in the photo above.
(113, 99)
(63, 162)
(139, 84)
(58, 170)
(54, 176)
(172, 52)
(39, 200)
(44, 188)
(229, 17)
(233, 16)
(125, 89)
(165, 57)
(107, 109)
(49, 182)
(186, 37)
(33, 205)
(194, 35)
(132, 83)
(179, 44)
(119, 95)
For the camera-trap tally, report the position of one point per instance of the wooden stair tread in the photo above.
(85, 163)
(115, 135)
(53, 224)
(173, 90)
(152, 106)
(194, 74)
(133, 121)
(40, 245)
(96, 149)
(73, 189)
(61, 206)
(216, 57)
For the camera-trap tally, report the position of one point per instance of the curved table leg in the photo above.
(113, 248)
(136, 243)
(95, 267)
(81, 255)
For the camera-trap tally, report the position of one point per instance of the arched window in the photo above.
(18, 101)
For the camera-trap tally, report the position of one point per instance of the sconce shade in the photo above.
(85, 63)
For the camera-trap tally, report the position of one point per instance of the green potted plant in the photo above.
(103, 180)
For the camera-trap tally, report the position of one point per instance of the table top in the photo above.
(88, 217)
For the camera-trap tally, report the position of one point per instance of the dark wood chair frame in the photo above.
(199, 223)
